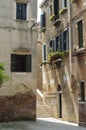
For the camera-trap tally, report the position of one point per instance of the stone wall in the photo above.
(21, 106)
(82, 114)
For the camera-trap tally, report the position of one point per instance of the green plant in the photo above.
(3, 76)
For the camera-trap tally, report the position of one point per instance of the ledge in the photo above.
(57, 22)
(79, 51)
(19, 20)
(42, 29)
(73, 1)
(52, 17)
(63, 10)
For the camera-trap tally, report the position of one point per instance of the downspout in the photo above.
(70, 51)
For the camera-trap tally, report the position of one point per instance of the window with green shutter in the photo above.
(80, 33)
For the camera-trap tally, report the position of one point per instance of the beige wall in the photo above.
(52, 76)
(15, 34)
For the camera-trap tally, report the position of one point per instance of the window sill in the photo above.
(19, 20)
(79, 51)
(73, 1)
(57, 22)
(51, 17)
(42, 29)
(63, 10)
(20, 73)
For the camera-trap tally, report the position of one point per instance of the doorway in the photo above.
(60, 100)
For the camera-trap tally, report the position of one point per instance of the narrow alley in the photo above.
(40, 124)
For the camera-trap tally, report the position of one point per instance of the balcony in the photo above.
(55, 56)
(55, 19)
(79, 51)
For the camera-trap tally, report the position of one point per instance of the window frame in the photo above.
(80, 46)
(27, 65)
(22, 2)
(63, 3)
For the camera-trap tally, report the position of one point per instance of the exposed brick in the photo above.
(18, 107)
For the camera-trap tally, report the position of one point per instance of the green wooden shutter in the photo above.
(80, 33)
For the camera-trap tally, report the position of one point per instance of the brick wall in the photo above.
(82, 114)
(18, 107)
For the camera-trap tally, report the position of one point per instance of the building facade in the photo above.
(18, 41)
(62, 36)
(17, 32)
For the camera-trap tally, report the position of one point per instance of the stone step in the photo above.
(42, 111)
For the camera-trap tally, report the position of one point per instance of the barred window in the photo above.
(21, 11)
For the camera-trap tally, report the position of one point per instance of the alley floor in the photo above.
(40, 124)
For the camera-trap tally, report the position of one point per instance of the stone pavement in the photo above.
(40, 124)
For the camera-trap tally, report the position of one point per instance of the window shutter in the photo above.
(29, 63)
(65, 3)
(57, 43)
(44, 51)
(42, 19)
(13, 62)
(80, 33)
(56, 8)
(64, 40)
(61, 42)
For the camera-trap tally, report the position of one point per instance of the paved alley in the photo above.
(40, 124)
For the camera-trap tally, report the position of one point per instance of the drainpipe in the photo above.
(70, 51)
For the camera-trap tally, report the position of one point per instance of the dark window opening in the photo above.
(56, 8)
(65, 40)
(44, 51)
(20, 63)
(82, 88)
(43, 20)
(21, 11)
(65, 3)
(80, 33)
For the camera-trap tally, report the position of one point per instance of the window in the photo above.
(80, 33)
(20, 63)
(82, 88)
(55, 44)
(44, 52)
(64, 3)
(43, 20)
(21, 11)
(56, 8)
(66, 40)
